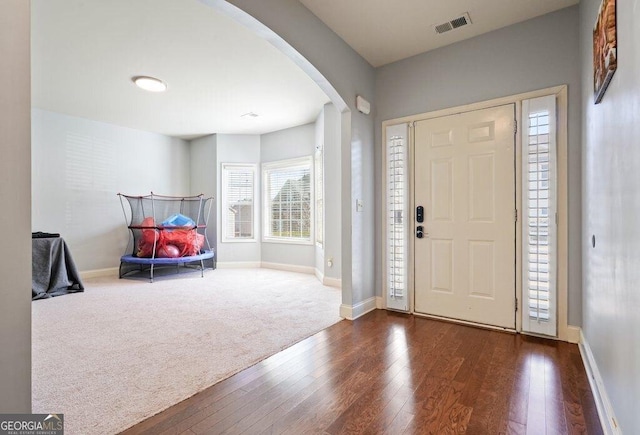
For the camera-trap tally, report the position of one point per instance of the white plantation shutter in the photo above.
(238, 197)
(397, 217)
(539, 220)
(288, 207)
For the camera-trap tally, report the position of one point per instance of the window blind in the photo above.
(539, 239)
(288, 208)
(396, 217)
(238, 201)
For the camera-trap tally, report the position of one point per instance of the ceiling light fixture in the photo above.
(150, 84)
(249, 115)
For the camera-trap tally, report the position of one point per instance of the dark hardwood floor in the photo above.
(397, 374)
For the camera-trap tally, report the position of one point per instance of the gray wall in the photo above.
(15, 191)
(282, 145)
(203, 175)
(342, 74)
(332, 189)
(611, 212)
(319, 141)
(328, 135)
(535, 54)
(208, 154)
(289, 143)
(78, 167)
(238, 149)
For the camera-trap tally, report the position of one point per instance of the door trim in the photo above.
(561, 93)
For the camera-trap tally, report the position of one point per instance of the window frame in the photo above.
(225, 169)
(397, 298)
(318, 195)
(267, 168)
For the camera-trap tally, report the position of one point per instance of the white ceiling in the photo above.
(384, 31)
(84, 53)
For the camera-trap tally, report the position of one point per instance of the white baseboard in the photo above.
(328, 281)
(288, 267)
(380, 305)
(603, 404)
(332, 282)
(573, 334)
(352, 312)
(238, 264)
(98, 273)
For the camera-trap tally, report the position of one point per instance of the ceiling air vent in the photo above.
(454, 24)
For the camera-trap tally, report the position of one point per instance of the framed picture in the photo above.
(605, 44)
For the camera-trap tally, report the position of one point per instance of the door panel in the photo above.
(464, 178)
(442, 265)
(442, 190)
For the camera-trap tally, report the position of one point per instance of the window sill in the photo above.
(239, 240)
(288, 241)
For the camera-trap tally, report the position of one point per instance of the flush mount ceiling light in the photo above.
(150, 84)
(249, 115)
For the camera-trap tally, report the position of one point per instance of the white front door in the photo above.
(464, 169)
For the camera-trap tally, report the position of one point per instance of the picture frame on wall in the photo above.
(605, 48)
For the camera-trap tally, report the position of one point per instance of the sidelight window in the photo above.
(397, 216)
(540, 215)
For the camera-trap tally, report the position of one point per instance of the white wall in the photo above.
(531, 55)
(282, 145)
(611, 212)
(238, 149)
(79, 166)
(203, 175)
(15, 191)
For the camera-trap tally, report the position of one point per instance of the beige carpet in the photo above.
(124, 350)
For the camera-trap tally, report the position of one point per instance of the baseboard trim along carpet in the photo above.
(332, 282)
(352, 312)
(603, 404)
(289, 267)
(99, 273)
(327, 280)
(237, 264)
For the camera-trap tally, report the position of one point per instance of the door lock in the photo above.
(419, 231)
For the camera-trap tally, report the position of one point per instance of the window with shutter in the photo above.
(288, 206)
(238, 197)
(539, 223)
(397, 214)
